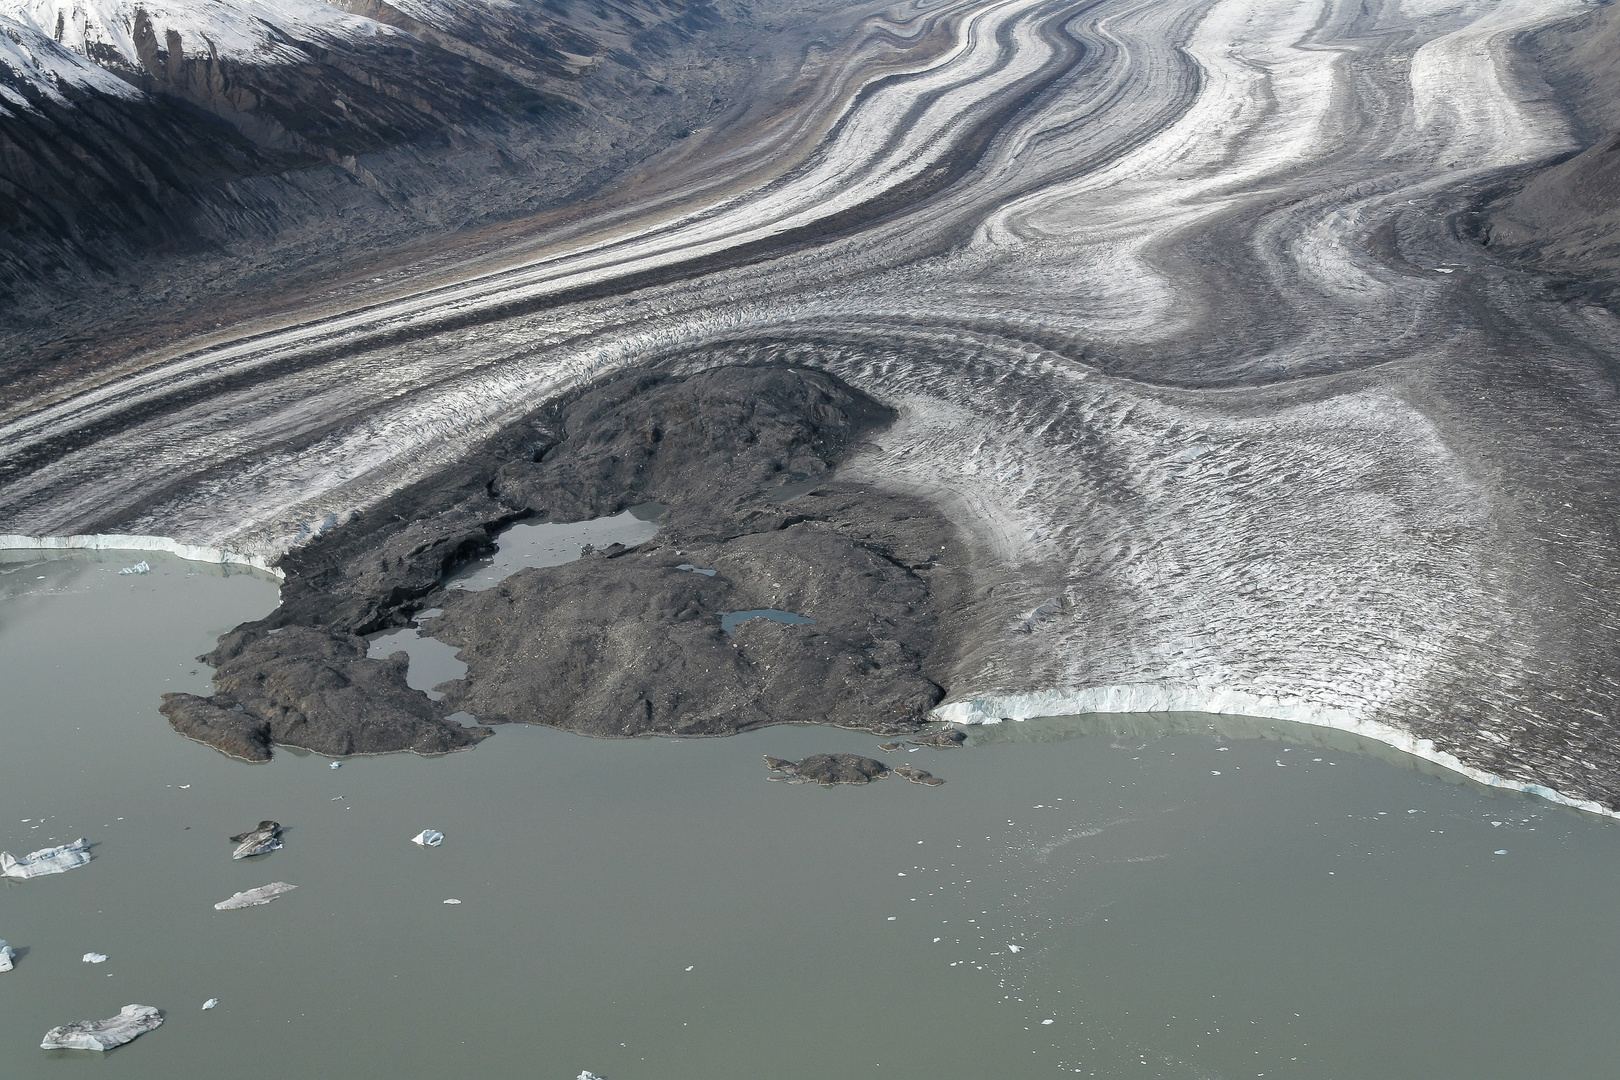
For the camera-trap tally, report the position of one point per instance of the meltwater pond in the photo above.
(1190, 905)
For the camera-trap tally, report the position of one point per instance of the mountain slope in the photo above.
(258, 137)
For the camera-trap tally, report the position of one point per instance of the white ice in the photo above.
(132, 1020)
(54, 860)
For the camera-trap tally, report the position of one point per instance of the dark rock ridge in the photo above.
(286, 688)
(622, 642)
(918, 776)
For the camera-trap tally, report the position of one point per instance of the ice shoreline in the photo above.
(130, 542)
(1181, 697)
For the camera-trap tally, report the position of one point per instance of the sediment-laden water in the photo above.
(1234, 899)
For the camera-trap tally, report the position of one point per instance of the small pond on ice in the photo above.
(1189, 897)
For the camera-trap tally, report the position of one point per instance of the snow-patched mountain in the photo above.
(33, 64)
(132, 35)
(281, 132)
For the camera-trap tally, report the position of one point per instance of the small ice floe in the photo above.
(689, 967)
(452, 900)
(337, 765)
(139, 568)
(94, 958)
(254, 897)
(7, 955)
(132, 1020)
(588, 1075)
(210, 1003)
(428, 838)
(1045, 1022)
(56, 860)
(1015, 948)
(1501, 851)
(266, 838)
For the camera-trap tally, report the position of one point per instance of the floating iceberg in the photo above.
(266, 838)
(54, 860)
(139, 568)
(428, 838)
(210, 1003)
(94, 958)
(7, 955)
(132, 1020)
(254, 897)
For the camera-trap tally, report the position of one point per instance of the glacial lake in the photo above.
(1190, 897)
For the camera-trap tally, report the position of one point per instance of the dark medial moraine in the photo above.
(622, 642)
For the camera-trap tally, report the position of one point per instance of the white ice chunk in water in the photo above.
(452, 900)
(7, 955)
(210, 1003)
(254, 897)
(94, 958)
(1015, 948)
(588, 1075)
(428, 838)
(54, 860)
(139, 568)
(132, 1020)
(337, 764)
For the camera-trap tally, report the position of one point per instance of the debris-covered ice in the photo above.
(7, 955)
(254, 897)
(266, 838)
(428, 838)
(54, 860)
(132, 1020)
(139, 568)
(93, 958)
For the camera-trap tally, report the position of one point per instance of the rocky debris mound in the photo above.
(828, 769)
(315, 689)
(131, 1021)
(621, 642)
(918, 776)
(947, 738)
(262, 840)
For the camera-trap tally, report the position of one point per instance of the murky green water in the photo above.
(656, 909)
